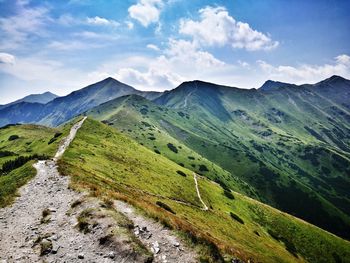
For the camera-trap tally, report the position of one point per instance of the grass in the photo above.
(33, 140)
(251, 143)
(15, 179)
(136, 174)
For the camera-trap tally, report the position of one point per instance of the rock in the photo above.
(111, 254)
(155, 247)
(45, 247)
(55, 249)
(81, 256)
(176, 244)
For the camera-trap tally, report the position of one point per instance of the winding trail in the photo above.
(205, 207)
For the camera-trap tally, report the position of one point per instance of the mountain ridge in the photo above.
(41, 98)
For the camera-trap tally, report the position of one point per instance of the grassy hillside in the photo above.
(250, 139)
(234, 225)
(19, 146)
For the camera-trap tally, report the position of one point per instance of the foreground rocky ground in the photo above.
(49, 222)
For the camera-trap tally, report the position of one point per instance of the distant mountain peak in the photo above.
(333, 79)
(109, 79)
(271, 85)
(41, 98)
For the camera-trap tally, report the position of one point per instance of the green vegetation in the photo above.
(10, 165)
(17, 155)
(252, 143)
(133, 173)
(10, 182)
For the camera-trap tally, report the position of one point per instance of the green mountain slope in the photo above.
(20, 145)
(288, 145)
(110, 164)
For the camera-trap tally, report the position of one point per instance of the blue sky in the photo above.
(61, 46)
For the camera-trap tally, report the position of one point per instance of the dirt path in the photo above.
(205, 207)
(165, 246)
(42, 225)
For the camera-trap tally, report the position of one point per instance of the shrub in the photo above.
(203, 168)
(6, 153)
(229, 194)
(237, 218)
(288, 244)
(172, 147)
(165, 207)
(13, 137)
(144, 111)
(181, 173)
(54, 138)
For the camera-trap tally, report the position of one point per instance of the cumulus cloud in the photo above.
(187, 53)
(217, 28)
(308, 73)
(151, 79)
(6, 58)
(101, 21)
(146, 11)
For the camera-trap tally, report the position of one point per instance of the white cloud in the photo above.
(151, 79)
(153, 47)
(146, 11)
(26, 23)
(186, 53)
(307, 73)
(217, 28)
(74, 45)
(101, 21)
(6, 58)
(343, 59)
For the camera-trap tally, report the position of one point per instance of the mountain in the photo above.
(64, 108)
(288, 147)
(42, 98)
(271, 85)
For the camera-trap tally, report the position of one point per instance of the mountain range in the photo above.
(61, 109)
(283, 144)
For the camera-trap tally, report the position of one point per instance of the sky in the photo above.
(62, 46)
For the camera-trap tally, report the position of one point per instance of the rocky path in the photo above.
(166, 247)
(43, 225)
(205, 207)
